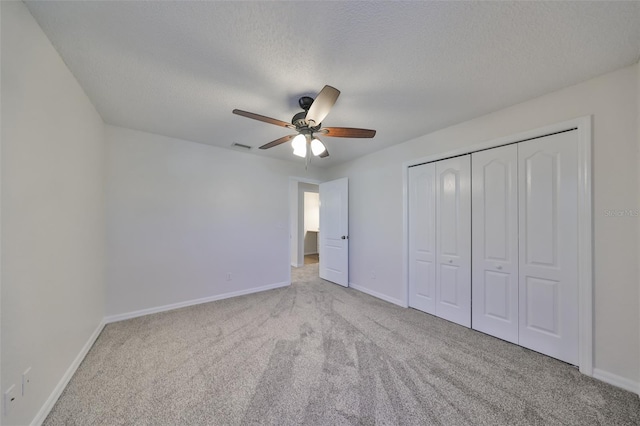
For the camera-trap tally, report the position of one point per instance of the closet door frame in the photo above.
(583, 126)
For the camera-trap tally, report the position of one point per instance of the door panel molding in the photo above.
(494, 242)
(548, 196)
(453, 239)
(422, 242)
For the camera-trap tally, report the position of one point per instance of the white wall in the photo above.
(638, 194)
(375, 202)
(293, 221)
(182, 215)
(52, 213)
(312, 210)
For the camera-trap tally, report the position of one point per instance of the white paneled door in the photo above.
(334, 231)
(453, 239)
(422, 238)
(495, 242)
(548, 262)
(513, 212)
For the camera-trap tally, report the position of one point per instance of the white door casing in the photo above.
(548, 245)
(453, 239)
(334, 231)
(422, 238)
(495, 242)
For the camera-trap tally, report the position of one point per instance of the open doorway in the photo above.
(304, 222)
(325, 231)
(311, 226)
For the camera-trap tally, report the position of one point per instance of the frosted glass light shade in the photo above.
(317, 147)
(299, 143)
(302, 152)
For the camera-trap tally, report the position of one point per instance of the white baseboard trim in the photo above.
(376, 294)
(128, 315)
(57, 391)
(615, 380)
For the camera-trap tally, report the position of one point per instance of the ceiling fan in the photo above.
(308, 123)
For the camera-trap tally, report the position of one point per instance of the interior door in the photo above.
(453, 239)
(548, 262)
(422, 237)
(495, 242)
(334, 231)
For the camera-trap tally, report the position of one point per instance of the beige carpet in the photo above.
(316, 353)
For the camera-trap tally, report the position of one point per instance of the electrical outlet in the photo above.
(26, 380)
(9, 399)
(228, 276)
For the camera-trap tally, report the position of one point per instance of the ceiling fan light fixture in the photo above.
(308, 122)
(317, 147)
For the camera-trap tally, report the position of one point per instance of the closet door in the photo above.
(422, 237)
(495, 242)
(548, 198)
(453, 240)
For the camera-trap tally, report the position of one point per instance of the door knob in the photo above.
(345, 237)
(499, 267)
(450, 260)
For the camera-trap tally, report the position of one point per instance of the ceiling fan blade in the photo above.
(347, 132)
(263, 118)
(322, 105)
(325, 153)
(277, 142)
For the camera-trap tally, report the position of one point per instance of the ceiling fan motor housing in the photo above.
(299, 120)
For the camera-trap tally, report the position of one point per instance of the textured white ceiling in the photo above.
(404, 68)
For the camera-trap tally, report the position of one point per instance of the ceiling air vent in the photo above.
(239, 145)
